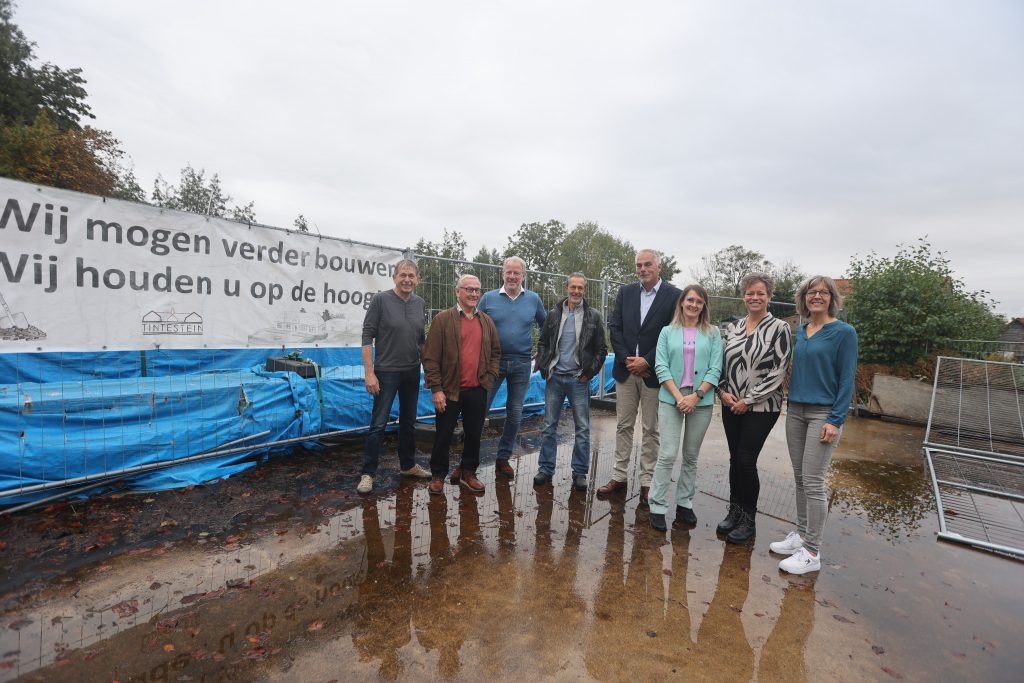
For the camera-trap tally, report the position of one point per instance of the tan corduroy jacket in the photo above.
(442, 357)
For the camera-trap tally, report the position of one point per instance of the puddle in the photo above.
(304, 580)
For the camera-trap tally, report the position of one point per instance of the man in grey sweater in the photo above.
(394, 325)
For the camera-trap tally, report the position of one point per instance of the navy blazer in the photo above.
(627, 333)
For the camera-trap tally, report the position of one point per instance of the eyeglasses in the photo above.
(470, 290)
(823, 293)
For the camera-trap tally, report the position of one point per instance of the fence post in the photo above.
(604, 314)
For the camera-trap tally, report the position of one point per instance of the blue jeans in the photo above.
(560, 387)
(405, 383)
(516, 374)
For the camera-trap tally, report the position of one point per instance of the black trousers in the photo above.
(472, 406)
(746, 435)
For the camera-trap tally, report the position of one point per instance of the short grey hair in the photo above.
(652, 252)
(835, 301)
(464, 277)
(407, 263)
(751, 279)
(576, 274)
(514, 259)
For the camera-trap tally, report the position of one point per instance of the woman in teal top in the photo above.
(688, 363)
(820, 390)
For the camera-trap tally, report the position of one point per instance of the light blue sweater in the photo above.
(707, 361)
(514, 320)
(825, 368)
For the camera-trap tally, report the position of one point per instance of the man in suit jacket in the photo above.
(641, 310)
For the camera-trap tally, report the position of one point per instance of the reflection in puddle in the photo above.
(894, 498)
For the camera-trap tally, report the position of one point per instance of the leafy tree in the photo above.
(301, 224)
(598, 254)
(196, 194)
(787, 277)
(437, 278)
(82, 159)
(27, 89)
(721, 272)
(486, 257)
(538, 244)
(902, 305)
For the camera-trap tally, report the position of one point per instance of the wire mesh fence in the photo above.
(76, 422)
(974, 450)
(979, 349)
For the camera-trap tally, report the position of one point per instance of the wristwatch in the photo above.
(700, 394)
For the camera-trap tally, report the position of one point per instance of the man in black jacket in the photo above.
(641, 310)
(571, 351)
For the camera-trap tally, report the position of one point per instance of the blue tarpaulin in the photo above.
(82, 416)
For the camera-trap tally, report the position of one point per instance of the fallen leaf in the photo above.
(892, 673)
(766, 578)
(878, 649)
(840, 618)
(168, 648)
(315, 625)
(666, 572)
(153, 586)
(125, 608)
(960, 655)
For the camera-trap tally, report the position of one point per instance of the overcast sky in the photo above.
(810, 131)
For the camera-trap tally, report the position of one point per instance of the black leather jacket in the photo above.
(591, 347)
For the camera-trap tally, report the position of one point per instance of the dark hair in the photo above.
(751, 279)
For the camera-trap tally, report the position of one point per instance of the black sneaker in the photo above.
(579, 482)
(685, 515)
(658, 522)
(542, 478)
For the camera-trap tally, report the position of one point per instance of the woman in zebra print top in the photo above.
(757, 351)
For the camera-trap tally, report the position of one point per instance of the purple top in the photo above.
(689, 350)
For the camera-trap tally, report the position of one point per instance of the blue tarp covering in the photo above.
(106, 415)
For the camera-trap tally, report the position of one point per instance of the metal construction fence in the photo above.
(974, 450)
(77, 423)
(979, 349)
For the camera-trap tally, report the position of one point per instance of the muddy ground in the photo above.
(285, 573)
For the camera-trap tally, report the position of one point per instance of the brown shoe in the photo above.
(470, 481)
(436, 486)
(644, 490)
(456, 475)
(612, 487)
(504, 469)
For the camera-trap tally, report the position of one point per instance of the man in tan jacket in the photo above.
(460, 364)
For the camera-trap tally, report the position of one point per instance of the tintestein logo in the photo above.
(170, 322)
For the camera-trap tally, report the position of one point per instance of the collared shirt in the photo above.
(505, 292)
(470, 316)
(647, 298)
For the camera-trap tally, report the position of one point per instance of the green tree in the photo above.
(197, 194)
(437, 278)
(486, 257)
(720, 273)
(301, 224)
(598, 254)
(538, 244)
(26, 89)
(902, 305)
(81, 159)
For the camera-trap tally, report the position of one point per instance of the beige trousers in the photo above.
(631, 397)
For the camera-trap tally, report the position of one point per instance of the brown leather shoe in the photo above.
(504, 469)
(436, 486)
(644, 490)
(612, 487)
(470, 481)
(456, 475)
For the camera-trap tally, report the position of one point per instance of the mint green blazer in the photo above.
(707, 361)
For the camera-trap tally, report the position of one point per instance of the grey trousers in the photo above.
(811, 460)
(634, 396)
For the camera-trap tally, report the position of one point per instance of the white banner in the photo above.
(83, 273)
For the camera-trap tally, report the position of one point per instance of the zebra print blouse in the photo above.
(755, 366)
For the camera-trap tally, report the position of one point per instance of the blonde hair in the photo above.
(704, 319)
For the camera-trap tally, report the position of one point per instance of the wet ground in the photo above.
(284, 573)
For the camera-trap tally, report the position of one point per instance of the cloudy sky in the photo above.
(810, 131)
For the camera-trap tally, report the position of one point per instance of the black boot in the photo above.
(745, 529)
(731, 519)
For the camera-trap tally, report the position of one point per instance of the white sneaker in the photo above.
(416, 471)
(801, 562)
(365, 484)
(788, 545)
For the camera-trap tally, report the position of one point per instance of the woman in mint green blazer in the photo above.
(688, 363)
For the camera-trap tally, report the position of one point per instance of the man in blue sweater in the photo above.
(514, 310)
